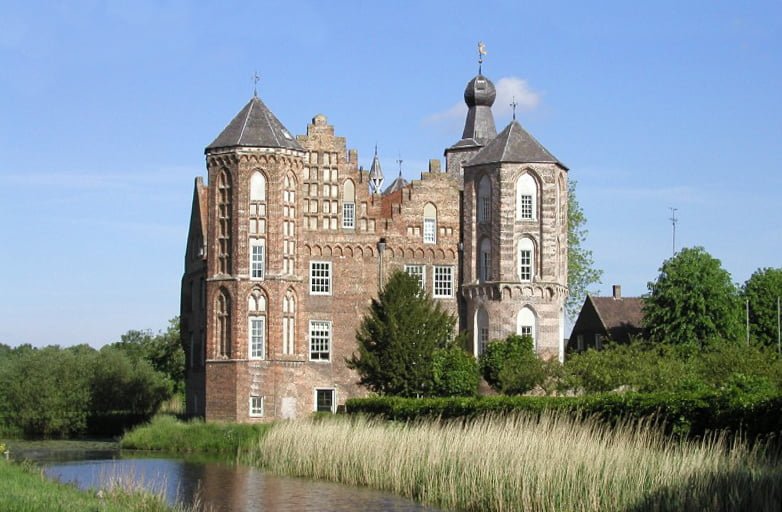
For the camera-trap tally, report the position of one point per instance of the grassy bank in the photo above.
(520, 463)
(166, 433)
(24, 488)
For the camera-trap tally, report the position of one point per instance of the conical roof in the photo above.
(375, 172)
(398, 184)
(255, 126)
(514, 144)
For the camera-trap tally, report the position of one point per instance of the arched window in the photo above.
(349, 205)
(224, 222)
(526, 324)
(481, 331)
(484, 200)
(484, 260)
(223, 324)
(289, 225)
(526, 197)
(430, 224)
(289, 323)
(258, 187)
(526, 259)
(256, 311)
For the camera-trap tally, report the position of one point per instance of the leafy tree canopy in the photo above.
(511, 365)
(162, 350)
(580, 265)
(398, 338)
(762, 290)
(693, 301)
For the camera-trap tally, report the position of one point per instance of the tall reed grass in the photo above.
(525, 463)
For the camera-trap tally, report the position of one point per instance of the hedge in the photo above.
(681, 414)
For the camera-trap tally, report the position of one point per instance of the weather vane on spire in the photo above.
(513, 105)
(399, 161)
(481, 53)
(256, 79)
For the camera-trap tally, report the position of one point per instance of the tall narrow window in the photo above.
(257, 259)
(289, 226)
(481, 331)
(223, 313)
(349, 205)
(430, 224)
(258, 187)
(442, 284)
(526, 324)
(257, 337)
(526, 197)
(224, 222)
(484, 200)
(320, 340)
(526, 260)
(289, 323)
(485, 260)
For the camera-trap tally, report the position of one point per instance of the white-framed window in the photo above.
(289, 323)
(257, 259)
(526, 324)
(320, 278)
(485, 260)
(526, 259)
(256, 406)
(430, 224)
(526, 197)
(481, 331)
(320, 340)
(348, 215)
(325, 400)
(257, 330)
(442, 281)
(484, 200)
(257, 187)
(417, 271)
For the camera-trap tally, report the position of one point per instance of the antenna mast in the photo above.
(674, 220)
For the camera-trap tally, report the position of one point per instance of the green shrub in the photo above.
(455, 373)
(511, 365)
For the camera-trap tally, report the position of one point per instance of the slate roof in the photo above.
(255, 126)
(621, 317)
(398, 184)
(514, 144)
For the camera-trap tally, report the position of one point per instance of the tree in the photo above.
(692, 302)
(511, 365)
(454, 372)
(581, 273)
(398, 337)
(163, 351)
(762, 290)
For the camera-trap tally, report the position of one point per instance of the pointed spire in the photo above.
(375, 175)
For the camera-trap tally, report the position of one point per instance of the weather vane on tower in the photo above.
(513, 105)
(481, 53)
(256, 79)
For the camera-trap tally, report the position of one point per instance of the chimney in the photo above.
(617, 291)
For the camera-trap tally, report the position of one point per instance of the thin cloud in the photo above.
(508, 89)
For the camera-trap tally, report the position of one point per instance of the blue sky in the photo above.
(106, 107)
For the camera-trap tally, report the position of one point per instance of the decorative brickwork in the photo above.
(294, 243)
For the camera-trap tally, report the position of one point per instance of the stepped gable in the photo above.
(255, 126)
(514, 144)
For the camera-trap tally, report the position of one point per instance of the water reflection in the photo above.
(224, 487)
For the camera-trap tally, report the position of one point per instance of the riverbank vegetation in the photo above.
(518, 462)
(56, 392)
(24, 488)
(166, 433)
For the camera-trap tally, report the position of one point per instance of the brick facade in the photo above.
(293, 215)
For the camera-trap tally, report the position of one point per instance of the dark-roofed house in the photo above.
(614, 318)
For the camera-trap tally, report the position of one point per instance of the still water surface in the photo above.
(222, 487)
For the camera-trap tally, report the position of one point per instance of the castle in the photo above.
(291, 239)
